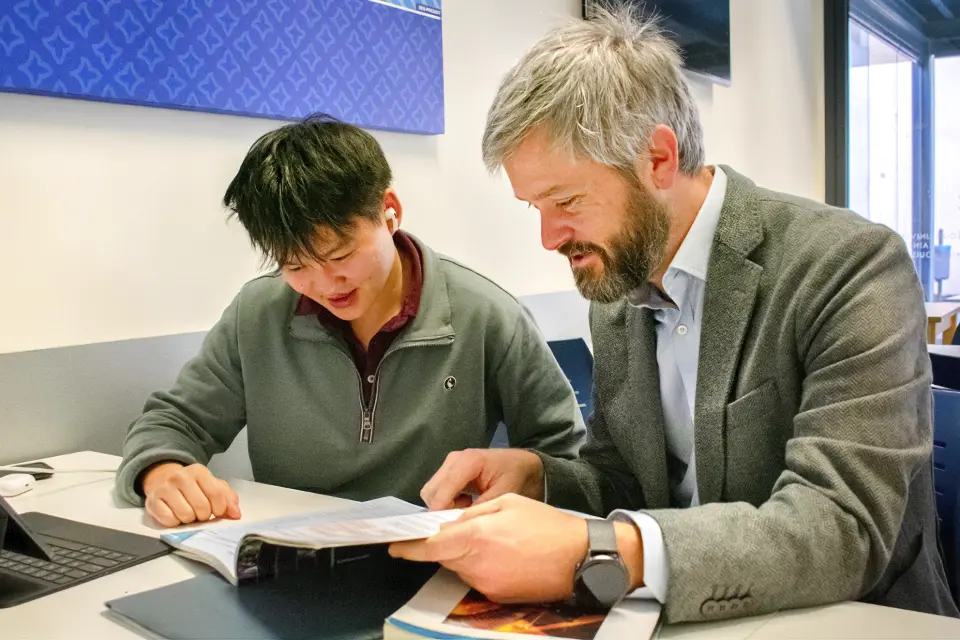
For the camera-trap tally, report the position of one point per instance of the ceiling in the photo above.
(929, 26)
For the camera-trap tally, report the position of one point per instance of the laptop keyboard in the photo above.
(71, 562)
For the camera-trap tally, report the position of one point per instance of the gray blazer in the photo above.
(813, 421)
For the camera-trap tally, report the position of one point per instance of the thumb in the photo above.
(233, 506)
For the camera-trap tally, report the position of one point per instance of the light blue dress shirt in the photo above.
(678, 315)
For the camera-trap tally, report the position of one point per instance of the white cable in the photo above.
(54, 471)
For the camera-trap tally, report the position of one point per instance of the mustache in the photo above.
(574, 248)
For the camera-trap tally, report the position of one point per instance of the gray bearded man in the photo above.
(762, 430)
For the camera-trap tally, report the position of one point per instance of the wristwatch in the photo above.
(601, 579)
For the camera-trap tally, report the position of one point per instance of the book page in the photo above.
(218, 546)
(353, 531)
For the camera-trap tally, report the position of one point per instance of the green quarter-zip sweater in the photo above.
(471, 358)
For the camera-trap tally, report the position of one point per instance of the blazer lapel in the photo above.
(649, 449)
(731, 292)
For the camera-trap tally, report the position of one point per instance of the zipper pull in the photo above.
(366, 428)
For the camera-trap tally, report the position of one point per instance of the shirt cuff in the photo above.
(655, 572)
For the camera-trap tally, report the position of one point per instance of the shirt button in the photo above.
(370, 379)
(682, 330)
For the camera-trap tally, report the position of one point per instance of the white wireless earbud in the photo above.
(392, 218)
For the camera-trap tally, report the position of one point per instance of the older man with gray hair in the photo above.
(761, 438)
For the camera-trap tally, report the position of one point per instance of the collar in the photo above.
(693, 256)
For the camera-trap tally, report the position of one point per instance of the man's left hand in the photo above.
(511, 549)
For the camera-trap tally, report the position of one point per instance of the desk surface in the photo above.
(939, 311)
(952, 350)
(77, 613)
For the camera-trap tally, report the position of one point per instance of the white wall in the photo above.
(110, 222)
(769, 124)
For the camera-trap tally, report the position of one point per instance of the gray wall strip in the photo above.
(56, 401)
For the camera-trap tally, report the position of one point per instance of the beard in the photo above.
(633, 256)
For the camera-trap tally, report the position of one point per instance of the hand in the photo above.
(511, 549)
(488, 473)
(181, 495)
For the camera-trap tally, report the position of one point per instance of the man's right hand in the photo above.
(176, 495)
(486, 473)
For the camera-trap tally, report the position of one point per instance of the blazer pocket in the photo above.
(755, 446)
(754, 407)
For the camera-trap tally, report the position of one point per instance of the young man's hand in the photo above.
(176, 495)
(486, 473)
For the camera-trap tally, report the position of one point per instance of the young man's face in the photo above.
(353, 272)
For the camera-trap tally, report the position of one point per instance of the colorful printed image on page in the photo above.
(557, 620)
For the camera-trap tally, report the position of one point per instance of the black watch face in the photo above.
(606, 580)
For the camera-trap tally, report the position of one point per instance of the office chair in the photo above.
(576, 361)
(945, 365)
(946, 479)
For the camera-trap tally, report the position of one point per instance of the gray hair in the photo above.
(598, 87)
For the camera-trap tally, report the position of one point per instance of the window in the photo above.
(946, 179)
(881, 132)
(891, 66)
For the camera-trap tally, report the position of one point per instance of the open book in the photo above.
(445, 607)
(258, 550)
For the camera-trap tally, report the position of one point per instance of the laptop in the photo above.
(41, 554)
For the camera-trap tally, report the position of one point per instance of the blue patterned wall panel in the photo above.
(375, 63)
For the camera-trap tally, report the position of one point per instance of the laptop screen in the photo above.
(16, 536)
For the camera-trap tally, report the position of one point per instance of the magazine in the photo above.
(445, 607)
(258, 550)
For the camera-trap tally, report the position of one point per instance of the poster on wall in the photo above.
(374, 63)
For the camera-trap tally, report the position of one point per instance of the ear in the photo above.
(663, 160)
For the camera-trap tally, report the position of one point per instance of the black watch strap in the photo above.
(601, 579)
(602, 537)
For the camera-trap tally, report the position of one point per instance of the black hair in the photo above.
(305, 178)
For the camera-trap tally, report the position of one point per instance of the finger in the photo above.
(233, 502)
(451, 544)
(458, 471)
(175, 501)
(476, 511)
(454, 461)
(198, 501)
(216, 493)
(160, 512)
(409, 550)
(429, 490)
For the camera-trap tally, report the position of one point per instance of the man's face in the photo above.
(612, 230)
(353, 272)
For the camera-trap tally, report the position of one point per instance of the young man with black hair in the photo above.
(359, 364)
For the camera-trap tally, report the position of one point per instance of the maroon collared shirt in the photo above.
(368, 360)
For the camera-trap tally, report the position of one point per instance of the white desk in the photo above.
(77, 613)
